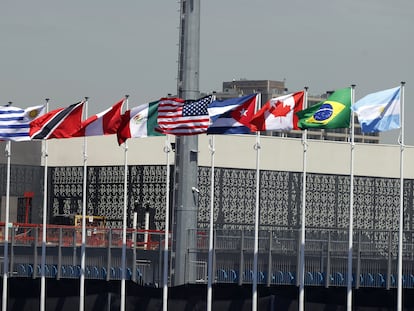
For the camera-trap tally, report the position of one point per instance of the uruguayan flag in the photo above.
(380, 111)
(15, 122)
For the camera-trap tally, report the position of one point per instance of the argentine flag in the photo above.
(380, 111)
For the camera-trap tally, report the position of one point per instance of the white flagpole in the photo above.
(256, 216)
(6, 230)
(44, 223)
(167, 150)
(124, 220)
(303, 215)
(351, 209)
(211, 230)
(83, 247)
(401, 221)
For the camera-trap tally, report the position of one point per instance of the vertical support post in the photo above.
(211, 230)
(6, 231)
(124, 222)
(300, 279)
(186, 156)
(328, 261)
(401, 211)
(351, 211)
(167, 150)
(35, 253)
(358, 269)
(12, 243)
(44, 222)
(146, 228)
(134, 250)
(59, 266)
(299, 260)
(241, 268)
(84, 203)
(269, 259)
(108, 255)
(389, 260)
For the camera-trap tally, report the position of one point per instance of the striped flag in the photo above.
(103, 123)
(140, 121)
(59, 123)
(179, 117)
(15, 122)
(379, 111)
(232, 116)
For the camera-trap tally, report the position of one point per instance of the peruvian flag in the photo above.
(279, 113)
(103, 123)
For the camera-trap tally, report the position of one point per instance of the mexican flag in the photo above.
(140, 121)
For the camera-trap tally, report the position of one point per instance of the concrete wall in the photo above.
(276, 153)
(22, 153)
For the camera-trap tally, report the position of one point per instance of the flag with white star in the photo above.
(232, 116)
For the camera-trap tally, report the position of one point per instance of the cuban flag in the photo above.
(232, 116)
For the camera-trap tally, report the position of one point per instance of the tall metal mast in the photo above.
(186, 153)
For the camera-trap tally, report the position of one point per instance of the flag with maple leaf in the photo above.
(279, 113)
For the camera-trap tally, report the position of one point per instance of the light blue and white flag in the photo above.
(380, 111)
(15, 122)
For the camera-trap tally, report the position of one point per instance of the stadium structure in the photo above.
(376, 210)
(94, 266)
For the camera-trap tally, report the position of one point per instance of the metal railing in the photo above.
(326, 256)
(103, 253)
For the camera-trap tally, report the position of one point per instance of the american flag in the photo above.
(179, 117)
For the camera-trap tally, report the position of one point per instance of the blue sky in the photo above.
(106, 49)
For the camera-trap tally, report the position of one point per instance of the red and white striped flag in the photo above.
(279, 113)
(103, 123)
(179, 117)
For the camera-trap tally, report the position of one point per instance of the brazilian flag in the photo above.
(332, 113)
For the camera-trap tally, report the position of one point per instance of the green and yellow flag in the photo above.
(333, 113)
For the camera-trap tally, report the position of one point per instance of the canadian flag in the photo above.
(279, 113)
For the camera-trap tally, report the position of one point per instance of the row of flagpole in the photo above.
(211, 258)
(83, 226)
(301, 300)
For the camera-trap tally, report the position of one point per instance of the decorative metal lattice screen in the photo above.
(105, 193)
(376, 200)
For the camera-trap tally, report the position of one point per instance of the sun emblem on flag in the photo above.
(33, 113)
